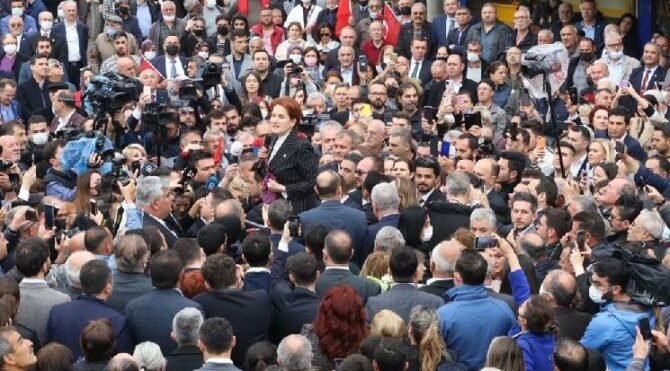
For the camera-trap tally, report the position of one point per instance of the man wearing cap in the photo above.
(105, 42)
(67, 117)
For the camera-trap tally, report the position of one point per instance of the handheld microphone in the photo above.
(211, 183)
(236, 150)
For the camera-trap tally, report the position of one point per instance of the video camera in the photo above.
(210, 74)
(158, 115)
(109, 92)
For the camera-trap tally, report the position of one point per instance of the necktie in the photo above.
(450, 25)
(415, 70)
(645, 80)
(173, 71)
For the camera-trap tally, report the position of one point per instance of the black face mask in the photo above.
(363, 3)
(222, 30)
(124, 10)
(586, 57)
(172, 50)
(391, 91)
(199, 33)
(405, 10)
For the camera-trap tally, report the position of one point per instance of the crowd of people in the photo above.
(331, 185)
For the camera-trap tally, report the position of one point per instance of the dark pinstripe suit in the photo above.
(294, 165)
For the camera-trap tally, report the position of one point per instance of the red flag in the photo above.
(343, 14)
(146, 65)
(392, 26)
(243, 6)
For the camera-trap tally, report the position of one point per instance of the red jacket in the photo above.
(276, 39)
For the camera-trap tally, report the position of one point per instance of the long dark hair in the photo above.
(411, 222)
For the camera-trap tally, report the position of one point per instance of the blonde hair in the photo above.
(607, 147)
(407, 192)
(376, 265)
(425, 331)
(238, 186)
(387, 324)
(133, 147)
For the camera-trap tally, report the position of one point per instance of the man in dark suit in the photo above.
(150, 315)
(131, 254)
(248, 311)
(617, 130)
(256, 251)
(592, 26)
(418, 26)
(337, 253)
(171, 64)
(216, 340)
(33, 95)
(442, 263)
(647, 76)
(185, 327)
(66, 115)
(154, 197)
(348, 68)
(294, 305)
(456, 37)
(58, 43)
(76, 57)
(332, 213)
(560, 288)
(445, 23)
(403, 295)
(385, 204)
(419, 67)
(67, 320)
(278, 214)
(348, 37)
(427, 179)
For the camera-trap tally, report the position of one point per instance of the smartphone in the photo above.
(645, 328)
(574, 97)
(619, 147)
(444, 149)
(294, 225)
(94, 207)
(472, 119)
(525, 99)
(31, 215)
(541, 142)
(363, 63)
(624, 84)
(513, 130)
(433, 147)
(429, 113)
(581, 240)
(460, 101)
(366, 111)
(482, 243)
(49, 216)
(134, 166)
(225, 67)
(146, 90)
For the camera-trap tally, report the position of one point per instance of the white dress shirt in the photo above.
(72, 37)
(178, 65)
(348, 75)
(280, 141)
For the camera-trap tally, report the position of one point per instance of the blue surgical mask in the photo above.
(110, 31)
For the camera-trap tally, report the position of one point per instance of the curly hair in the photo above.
(340, 322)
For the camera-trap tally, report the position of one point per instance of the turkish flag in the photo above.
(146, 65)
(343, 14)
(392, 25)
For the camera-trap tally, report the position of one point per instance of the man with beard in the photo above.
(377, 94)
(351, 195)
(232, 116)
(427, 178)
(268, 30)
(408, 101)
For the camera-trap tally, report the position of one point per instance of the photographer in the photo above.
(59, 182)
(38, 136)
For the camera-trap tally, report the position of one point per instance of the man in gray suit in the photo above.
(131, 254)
(336, 255)
(403, 295)
(37, 299)
(240, 61)
(216, 343)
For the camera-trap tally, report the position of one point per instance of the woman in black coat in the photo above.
(291, 161)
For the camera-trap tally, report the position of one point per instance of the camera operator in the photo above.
(294, 76)
(66, 116)
(59, 182)
(38, 136)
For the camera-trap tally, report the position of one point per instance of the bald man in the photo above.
(332, 213)
(67, 274)
(560, 288)
(127, 66)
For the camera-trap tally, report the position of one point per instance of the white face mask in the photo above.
(61, 13)
(616, 55)
(473, 57)
(17, 11)
(150, 55)
(203, 55)
(427, 233)
(168, 18)
(596, 295)
(9, 49)
(40, 138)
(296, 58)
(46, 25)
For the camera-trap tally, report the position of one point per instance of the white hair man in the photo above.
(185, 326)
(294, 353)
(620, 66)
(442, 266)
(154, 197)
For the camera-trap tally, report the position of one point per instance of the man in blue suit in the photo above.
(171, 64)
(150, 316)
(76, 56)
(67, 320)
(592, 27)
(18, 9)
(443, 24)
(332, 213)
(385, 205)
(617, 131)
(647, 76)
(10, 109)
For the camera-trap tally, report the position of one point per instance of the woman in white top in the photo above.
(306, 10)
(294, 38)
